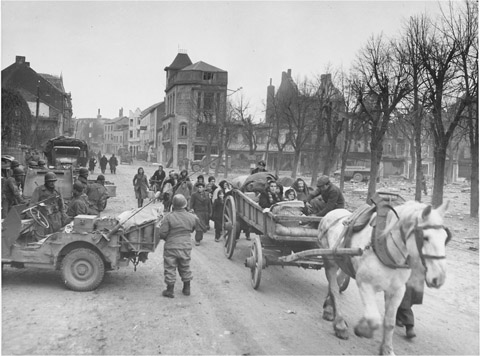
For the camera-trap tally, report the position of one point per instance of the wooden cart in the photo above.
(285, 240)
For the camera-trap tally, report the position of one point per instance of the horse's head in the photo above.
(429, 244)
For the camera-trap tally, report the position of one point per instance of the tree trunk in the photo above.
(474, 181)
(316, 155)
(439, 174)
(375, 158)
(296, 160)
(330, 157)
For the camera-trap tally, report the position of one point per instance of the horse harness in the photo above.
(380, 242)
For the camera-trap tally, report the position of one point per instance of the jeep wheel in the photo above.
(358, 177)
(82, 270)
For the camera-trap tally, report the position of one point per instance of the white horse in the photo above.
(421, 237)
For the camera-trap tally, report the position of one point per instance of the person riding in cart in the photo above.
(325, 198)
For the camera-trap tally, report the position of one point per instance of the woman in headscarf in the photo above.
(301, 189)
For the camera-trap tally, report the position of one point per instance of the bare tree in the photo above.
(465, 28)
(294, 111)
(441, 46)
(380, 85)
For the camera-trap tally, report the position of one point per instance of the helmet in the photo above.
(323, 180)
(14, 164)
(83, 172)
(41, 162)
(100, 177)
(50, 177)
(262, 163)
(17, 171)
(179, 202)
(78, 186)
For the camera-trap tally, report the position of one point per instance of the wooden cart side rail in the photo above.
(249, 211)
(323, 252)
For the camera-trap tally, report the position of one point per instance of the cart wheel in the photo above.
(343, 280)
(230, 225)
(82, 270)
(257, 265)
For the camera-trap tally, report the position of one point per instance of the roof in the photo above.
(150, 109)
(181, 60)
(204, 67)
(57, 82)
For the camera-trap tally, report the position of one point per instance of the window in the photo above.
(207, 75)
(208, 101)
(131, 122)
(131, 134)
(183, 130)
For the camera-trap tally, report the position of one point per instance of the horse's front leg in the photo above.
(392, 302)
(331, 307)
(371, 316)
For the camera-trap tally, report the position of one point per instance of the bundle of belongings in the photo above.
(135, 217)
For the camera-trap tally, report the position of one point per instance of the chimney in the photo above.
(20, 59)
(269, 112)
(98, 115)
(120, 112)
(289, 72)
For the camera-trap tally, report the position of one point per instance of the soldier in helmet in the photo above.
(12, 189)
(176, 229)
(325, 198)
(55, 207)
(78, 206)
(97, 193)
(41, 164)
(83, 177)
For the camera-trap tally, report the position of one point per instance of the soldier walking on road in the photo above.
(176, 229)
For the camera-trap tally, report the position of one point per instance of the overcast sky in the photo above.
(113, 54)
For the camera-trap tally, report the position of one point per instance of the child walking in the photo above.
(176, 229)
(217, 214)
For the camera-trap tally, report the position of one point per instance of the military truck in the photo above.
(63, 152)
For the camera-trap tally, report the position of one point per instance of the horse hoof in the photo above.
(328, 313)
(363, 330)
(341, 329)
(342, 334)
(386, 350)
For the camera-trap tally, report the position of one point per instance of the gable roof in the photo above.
(202, 66)
(150, 109)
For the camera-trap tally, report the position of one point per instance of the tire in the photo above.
(82, 270)
(343, 280)
(256, 270)
(196, 167)
(358, 177)
(231, 226)
(221, 169)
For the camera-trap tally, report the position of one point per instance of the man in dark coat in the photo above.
(113, 164)
(103, 164)
(325, 198)
(260, 167)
